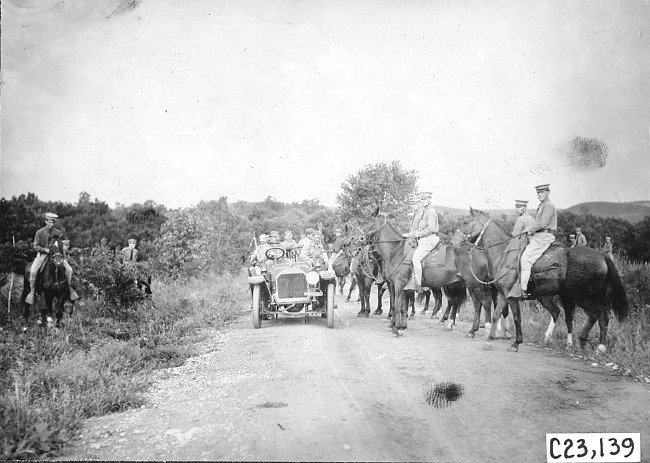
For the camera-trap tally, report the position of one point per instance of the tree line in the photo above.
(217, 236)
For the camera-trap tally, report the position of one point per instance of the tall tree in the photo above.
(387, 186)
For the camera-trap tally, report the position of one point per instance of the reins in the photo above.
(503, 255)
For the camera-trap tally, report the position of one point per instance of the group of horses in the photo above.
(52, 289)
(483, 260)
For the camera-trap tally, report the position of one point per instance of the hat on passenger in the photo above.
(572, 236)
(543, 187)
(425, 194)
(309, 230)
(132, 240)
(274, 234)
(263, 238)
(521, 203)
(51, 216)
(414, 199)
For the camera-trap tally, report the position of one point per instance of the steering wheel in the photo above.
(275, 253)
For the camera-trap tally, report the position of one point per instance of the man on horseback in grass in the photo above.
(541, 233)
(41, 246)
(424, 231)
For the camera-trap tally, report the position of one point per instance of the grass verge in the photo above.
(53, 379)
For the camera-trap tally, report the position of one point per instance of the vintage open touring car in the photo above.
(282, 285)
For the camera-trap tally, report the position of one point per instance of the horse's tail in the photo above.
(456, 291)
(617, 291)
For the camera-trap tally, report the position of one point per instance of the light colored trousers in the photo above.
(538, 243)
(425, 245)
(39, 262)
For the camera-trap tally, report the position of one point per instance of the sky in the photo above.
(183, 101)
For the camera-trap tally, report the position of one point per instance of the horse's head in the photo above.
(56, 250)
(471, 227)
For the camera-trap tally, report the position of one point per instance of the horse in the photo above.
(358, 262)
(51, 284)
(473, 265)
(579, 276)
(396, 268)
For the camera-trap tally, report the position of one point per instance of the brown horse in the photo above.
(579, 276)
(395, 261)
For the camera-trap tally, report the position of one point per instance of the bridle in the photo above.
(475, 244)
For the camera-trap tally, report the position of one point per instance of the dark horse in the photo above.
(579, 276)
(51, 285)
(473, 265)
(396, 268)
(358, 262)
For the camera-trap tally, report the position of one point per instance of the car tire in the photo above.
(330, 305)
(257, 307)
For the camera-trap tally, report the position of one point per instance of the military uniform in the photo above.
(581, 240)
(130, 253)
(542, 235)
(424, 227)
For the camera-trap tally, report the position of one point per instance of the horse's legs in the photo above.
(381, 289)
(477, 312)
(603, 322)
(352, 286)
(437, 296)
(550, 305)
(363, 311)
(491, 327)
(584, 334)
(569, 305)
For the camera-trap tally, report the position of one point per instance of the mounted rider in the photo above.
(523, 221)
(541, 233)
(424, 229)
(41, 245)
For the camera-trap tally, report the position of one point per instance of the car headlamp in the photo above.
(312, 278)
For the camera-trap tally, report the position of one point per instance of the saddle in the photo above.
(547, 271)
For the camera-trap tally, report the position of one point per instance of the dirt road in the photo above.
(300, 391)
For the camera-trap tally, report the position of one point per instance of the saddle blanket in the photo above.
(438, 256)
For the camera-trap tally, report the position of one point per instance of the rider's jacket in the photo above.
(425, 222)
(42, 238)
(546, 218)
(523, 222)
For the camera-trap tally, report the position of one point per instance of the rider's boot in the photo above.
(30, 297)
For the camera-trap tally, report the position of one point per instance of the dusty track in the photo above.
(296, 391)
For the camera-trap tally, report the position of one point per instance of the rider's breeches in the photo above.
(36, 266)
(425, 245)
(538, 243)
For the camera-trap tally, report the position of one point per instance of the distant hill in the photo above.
(633, 212)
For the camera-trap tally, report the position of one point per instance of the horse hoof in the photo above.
(347, 299)
(487, 345)
(449, 326)
(469, 335)
(366, 315)
(423, 311)
(601, 349)
(513, 349)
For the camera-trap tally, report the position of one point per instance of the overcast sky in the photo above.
(183, 101)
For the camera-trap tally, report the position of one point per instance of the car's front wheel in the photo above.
(257, 307)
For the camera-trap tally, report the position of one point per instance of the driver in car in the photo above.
(259, 255)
